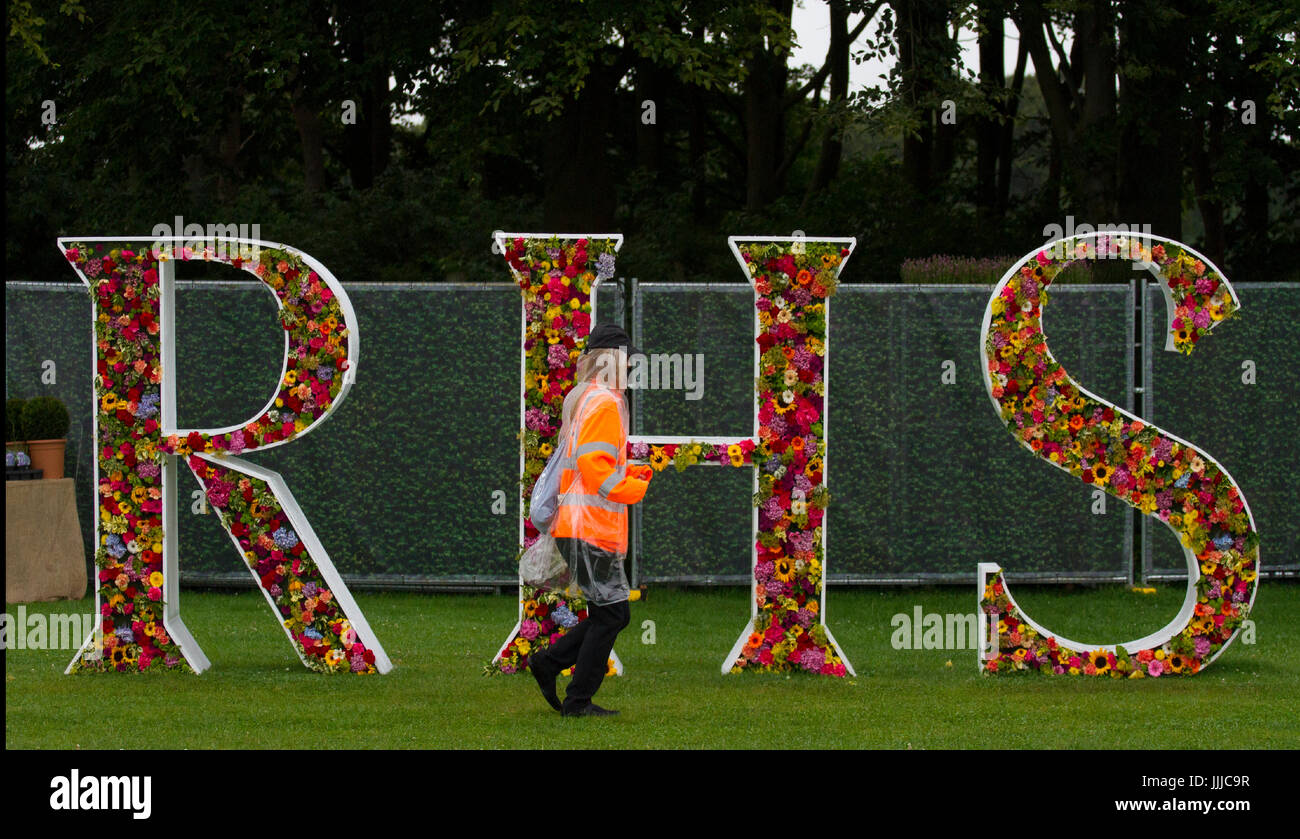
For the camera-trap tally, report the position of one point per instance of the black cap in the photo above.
(610, 336)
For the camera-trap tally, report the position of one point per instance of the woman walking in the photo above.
(590, 528)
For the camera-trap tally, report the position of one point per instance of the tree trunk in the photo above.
(832, 148)
(1007, 135)
(988, 130)
(579, 191)
(1210, 205)
(764, 95)
(1150, 172)
(311, 137)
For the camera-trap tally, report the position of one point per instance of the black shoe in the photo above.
(590, 710)
(545, 676)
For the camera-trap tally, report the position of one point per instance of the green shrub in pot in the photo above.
(45, 418)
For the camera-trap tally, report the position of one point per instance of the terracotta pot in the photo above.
(48, 456)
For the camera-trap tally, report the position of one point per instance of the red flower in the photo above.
(194, 440)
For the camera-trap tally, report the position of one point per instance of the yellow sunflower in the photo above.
(658, 459)
(784, 570)
(1100, 660)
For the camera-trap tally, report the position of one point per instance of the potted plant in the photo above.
(45, 424)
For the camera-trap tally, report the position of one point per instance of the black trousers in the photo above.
(586, 648)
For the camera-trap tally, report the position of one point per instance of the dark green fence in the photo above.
(404, 484)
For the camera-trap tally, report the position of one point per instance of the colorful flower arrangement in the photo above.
(555, 277)
(1109, 449)
(793, 281)
(124, 287)
(318, 331)
(316, 623)
(684, 455)
(124, 292)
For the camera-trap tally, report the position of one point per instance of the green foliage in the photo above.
(45, 418)
(14, 421)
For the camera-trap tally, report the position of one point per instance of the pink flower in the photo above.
(155, 593)
(1155, 668)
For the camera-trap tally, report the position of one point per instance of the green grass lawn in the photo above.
(257, 694)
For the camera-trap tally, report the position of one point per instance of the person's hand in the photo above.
(640, 471)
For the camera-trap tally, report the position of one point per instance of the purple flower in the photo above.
(605, 266)
(557, 356)
(1201, 319)
(538, 420)
(528, 629)
(1202, 645)
(640, 449)
(763, 571)
(804, 618)
(812, 660)
(237, 441)
(219, 493)
(802, 541)
(285, 538)
(564, 617)
(148, 405)
(275, 590)
(775, 588)
(325, 374)
(146, 469)
(309, 590)
(1164, 498)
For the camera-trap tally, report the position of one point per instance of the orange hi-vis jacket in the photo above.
(595, 487)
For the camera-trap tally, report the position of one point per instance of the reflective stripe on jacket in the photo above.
(595, 488)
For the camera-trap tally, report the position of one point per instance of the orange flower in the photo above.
(803, 277)
(797, 444)
(788, 352)
(1076, 422)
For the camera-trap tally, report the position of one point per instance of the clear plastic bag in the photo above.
(543, 566)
